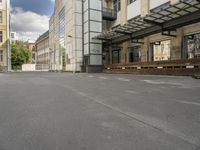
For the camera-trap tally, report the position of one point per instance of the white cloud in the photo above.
(27, 24)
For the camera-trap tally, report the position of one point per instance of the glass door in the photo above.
(116, 56)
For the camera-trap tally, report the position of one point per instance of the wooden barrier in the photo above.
(173, 67)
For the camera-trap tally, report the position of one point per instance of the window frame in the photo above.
(1, 55)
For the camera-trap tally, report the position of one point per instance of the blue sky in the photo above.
(43, 7)
(30, 18)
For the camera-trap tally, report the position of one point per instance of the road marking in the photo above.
(161, 82)
(189, 103)
(91, 76)
(131, 92)
(105, 78)
(123, 79)
(156, 124)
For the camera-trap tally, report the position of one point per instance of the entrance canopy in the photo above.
(163, 18)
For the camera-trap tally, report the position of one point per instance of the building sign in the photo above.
(162, 51)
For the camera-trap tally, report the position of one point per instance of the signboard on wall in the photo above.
(162, 51)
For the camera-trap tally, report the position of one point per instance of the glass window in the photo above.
(95, 59)
(117, 5)
(116, 56)
(131, 1)
(95, 26)
(95, 15)
(62, 23)
(12, 35)
(1, 36)
(134, 54)
(192, 48)
(162, 50)
(95, 4)
(1, 56)
(95, 48)
(1, 17)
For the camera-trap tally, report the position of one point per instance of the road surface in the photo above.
(63, 111)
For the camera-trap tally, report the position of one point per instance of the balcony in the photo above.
(109, 14)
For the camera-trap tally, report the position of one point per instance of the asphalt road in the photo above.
(60, 111)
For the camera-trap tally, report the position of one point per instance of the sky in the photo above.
(30, 18)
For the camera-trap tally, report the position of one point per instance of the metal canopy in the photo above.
(168, 12)
(157, 16)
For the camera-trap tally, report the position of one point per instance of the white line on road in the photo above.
(161, 82)
(105, 78)
(91, 76)
(131, 92)
(189, 103)
(123, 79)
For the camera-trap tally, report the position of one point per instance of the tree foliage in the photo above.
(20, 54)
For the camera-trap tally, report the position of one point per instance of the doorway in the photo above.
(116, 54)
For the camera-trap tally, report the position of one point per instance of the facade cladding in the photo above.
(42, 48)
(86, 34)
(4, 36)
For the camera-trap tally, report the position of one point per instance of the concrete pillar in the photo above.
(144, 7)
(176, 45)
(124, 4)
(110, 55)
(144, 50)
(124, 52)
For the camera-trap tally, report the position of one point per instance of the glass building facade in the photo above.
(62, 50)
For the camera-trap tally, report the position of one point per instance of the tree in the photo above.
(20, 54)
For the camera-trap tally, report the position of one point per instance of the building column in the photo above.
(176, 45)
(110, 54)
(124, 52)
(144, 7)
(144, 50)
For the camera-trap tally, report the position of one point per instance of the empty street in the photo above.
(63, 111)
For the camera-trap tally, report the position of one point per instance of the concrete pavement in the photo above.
(59, 111)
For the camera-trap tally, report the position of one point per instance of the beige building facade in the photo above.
(5, 36)
(85, 35)
(150, 31)
(42, 50)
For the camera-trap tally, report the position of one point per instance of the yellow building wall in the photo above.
(3, 45)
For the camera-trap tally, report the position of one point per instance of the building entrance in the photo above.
(116, 54)
(134, 54)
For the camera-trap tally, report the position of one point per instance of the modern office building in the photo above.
(42, 50)
(71, 34)
(125, 34)
(5, 61)
(145, 35)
